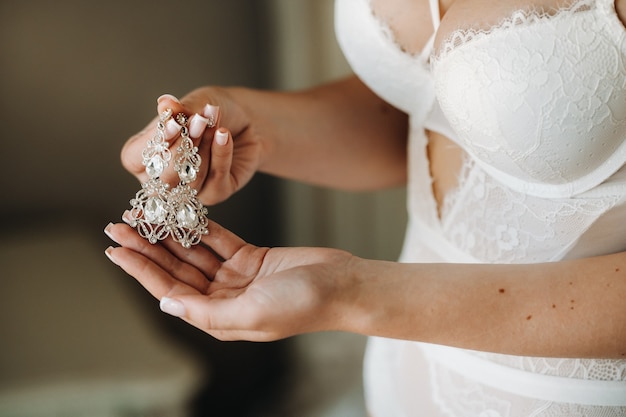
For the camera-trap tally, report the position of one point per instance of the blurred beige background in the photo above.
(77, 336)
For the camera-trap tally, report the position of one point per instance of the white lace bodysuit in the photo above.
(538, 104)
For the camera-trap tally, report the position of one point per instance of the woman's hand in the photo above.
(234, 290)
(338, 135)
(220, 128)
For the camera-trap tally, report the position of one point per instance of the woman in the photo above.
(509, 297)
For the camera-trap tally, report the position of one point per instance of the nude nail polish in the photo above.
(172, 307)
(221, 137)
(107, 231)
(108, 252)
(168, 96)
(197, 125)
(211, 112)
(126, 218)
(171, 129)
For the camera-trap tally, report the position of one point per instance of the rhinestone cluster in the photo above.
(158, 212)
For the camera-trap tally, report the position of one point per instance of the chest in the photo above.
(411, 21)
(535, 91)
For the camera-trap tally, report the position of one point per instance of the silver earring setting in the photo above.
(158, 212)
(190, 216)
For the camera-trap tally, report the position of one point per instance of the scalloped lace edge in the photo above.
(518, 18)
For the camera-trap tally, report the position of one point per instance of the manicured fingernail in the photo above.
(126, 217)
(172, 307)
(221, 137)
(171, 129)
(107, 231)
(211, 112)
(168, 97)
(109, 253)
(197, 125)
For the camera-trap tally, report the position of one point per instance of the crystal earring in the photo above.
(151, 213)
(189, 222)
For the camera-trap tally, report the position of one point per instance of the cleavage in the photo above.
(410, 24)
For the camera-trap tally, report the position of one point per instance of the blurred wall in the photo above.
(77, 78)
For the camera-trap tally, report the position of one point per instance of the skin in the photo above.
(234, 290)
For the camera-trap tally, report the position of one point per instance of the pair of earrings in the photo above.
(158, 212)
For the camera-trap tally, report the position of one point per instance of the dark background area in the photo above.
(76, 80)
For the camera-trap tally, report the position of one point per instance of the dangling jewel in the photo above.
(189, 216)
(155, 166)
(151, 210)
(155, 210)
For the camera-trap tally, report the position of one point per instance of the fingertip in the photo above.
(221, 136)
(126, 217)
(222, 153)
(169, 97)
(197, 125)
(108, 231)
(171, 129)
(168, 101)
(211, 113)
(172, 307)
(109, 254)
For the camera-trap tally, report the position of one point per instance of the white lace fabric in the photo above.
(540, 100)
(542, 119)
(458, 396)
(516, 227)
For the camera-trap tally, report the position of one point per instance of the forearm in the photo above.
(565, 309)
(340, 135)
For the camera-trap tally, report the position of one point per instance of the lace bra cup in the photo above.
(539, 101)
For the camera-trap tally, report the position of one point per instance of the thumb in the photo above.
(207, 314)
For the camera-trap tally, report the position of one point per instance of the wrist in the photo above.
(359, 302)
(385, 299)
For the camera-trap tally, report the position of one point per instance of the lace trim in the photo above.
(587, 369)
(390, 35)
(457, 396)
(492, 223)
(449, 202)
(519, 18)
